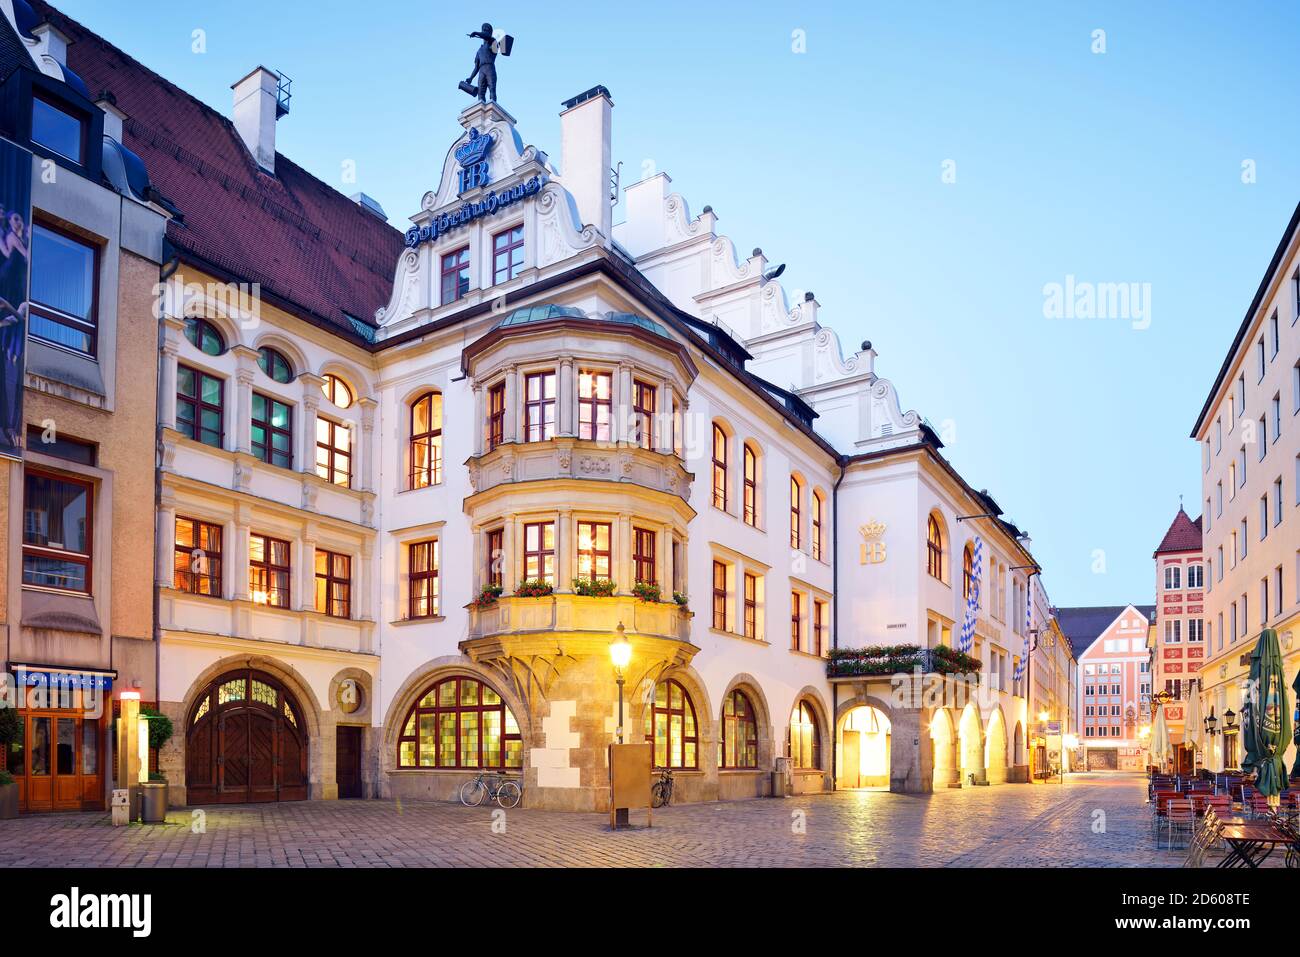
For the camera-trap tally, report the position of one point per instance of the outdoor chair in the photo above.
(1179, 820)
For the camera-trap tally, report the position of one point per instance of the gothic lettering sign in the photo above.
(466, 213)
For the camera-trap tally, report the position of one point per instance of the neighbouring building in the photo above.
(1178, 635)
(1249, 434)
(414, 484)
(1114, 687)
(1053, 694)
(77, 526)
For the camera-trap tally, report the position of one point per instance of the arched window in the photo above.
(204, 336)
(719, 467)
(426, 440)
(337, 391)
(805, 737)
(274, 364)
(967, 571)
(796, 512)
(751, 486)
(460, 723)
(934, 549)
(818, 521)
(670, 726)
(739, 745)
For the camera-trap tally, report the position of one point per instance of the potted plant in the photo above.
(534, 588)
(681, 599)
(11, 729)
(153, 802)
(646, 591)
(487, 597)
(8, 796)
(594, 587)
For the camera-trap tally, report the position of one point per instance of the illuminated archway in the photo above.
(943, 741)
(995, 758)
(864, 744)
(970, 735)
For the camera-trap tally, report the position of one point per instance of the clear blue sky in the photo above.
(1117, 167)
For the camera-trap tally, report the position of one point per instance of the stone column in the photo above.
(664, 418)
(364, 449)
(240, 438)
(568, 400)
(664, 561)
(164, 573)
(236, 558)
(514, 405)
(623, 403)
(480, 422)
(311, 396)
(167, 409)
(512, 545)
(304, 561)
(565, 553)
(622, 531)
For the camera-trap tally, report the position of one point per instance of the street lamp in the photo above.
(1212, 723)
(1229, 720)
(620, 653)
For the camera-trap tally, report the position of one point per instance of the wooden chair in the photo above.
(1179, 819)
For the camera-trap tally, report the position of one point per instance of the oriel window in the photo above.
(594, 549)
(539, 406)
(539, 551)
(643, 555)
(496, 416)
(644, 398)
(595, 405)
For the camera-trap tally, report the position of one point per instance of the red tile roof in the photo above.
(313, 250)
(1184, 535)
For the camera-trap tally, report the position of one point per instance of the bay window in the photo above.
(57, 531)
(539, 406)
(539, 552)
(595, 405)
(64, 289)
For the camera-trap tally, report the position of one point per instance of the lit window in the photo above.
(334, 452)
(796, 512)
(460, 723)
(268, 571)
(805, 738)
(643, 556)
(594, 549)
(426, 440)
(539, 406)
(595, 405)
(739, 745)
(670, 726)
(750, 511)
(934, 549)
(197, 557)
(337, 391)
(719, 468)
(818, 508)
(719, 596)
(539, 552)
(333, 584)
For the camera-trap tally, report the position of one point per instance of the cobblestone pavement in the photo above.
(1092, 820)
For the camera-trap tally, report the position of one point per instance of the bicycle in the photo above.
(490, 787)
(661, 792)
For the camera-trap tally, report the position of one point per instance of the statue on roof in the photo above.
(485, 63)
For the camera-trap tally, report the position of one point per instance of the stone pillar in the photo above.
(664, 418)
(167, 408)
(304, 563)
(911, 757)
(165, 572)
(567, 399)
(565, 552)
(240, 438)
(364, 450)
(237, 558)
(306, 451)
(514, 405)
(480, 421)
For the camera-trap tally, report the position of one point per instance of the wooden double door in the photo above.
(58, 763)
(246, 742)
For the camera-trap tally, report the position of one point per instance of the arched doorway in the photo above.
(943, 742)
(996, 757)
(864, 749)
(245, 742)
(971, 737)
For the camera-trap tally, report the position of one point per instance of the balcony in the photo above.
(573, 625)
(571, 458)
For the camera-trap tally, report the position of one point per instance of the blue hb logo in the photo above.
(474, 175)
(473, 158)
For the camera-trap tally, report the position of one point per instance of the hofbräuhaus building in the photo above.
(411, 493)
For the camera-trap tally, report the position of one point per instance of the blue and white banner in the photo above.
(15, 243)
(966, 641)
(1029, 626)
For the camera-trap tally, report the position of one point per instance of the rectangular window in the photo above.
(197, 558)
(719, 596)
(595, 405)
(422, 574)
(1277, 417)
(644, 401)
(796, 619)
(199, 406)
(1274, 338)
(507, 254)
(58, 516)
(539, 552)
(1277, 501)
(333, 584)
(1259, 359)
(796, 513)
(594, 549)
(720, 500)
(61, 446)
(334, 452)
(1194, 626)
(1263, 600)
(1295, 389)
(496, 423)
(1263, 437)
(58, 129)
(1263, 517)
(1195, 576)
(495, 557)
(64, 289)
(643, 555)
(272, 431)
(268, 571)
(818, 506)
(1243, 539)
(455, 275)
(750, 510)
(539, 406)
(751, 605)
(819, 627)
(1277, 590)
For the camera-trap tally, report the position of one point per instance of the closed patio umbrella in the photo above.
(1160, 752)
(1192, 724)
(1269, 730)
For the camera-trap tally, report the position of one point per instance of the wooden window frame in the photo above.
(802, 708)
(594, 554)
(334, 454)
(719, 595)
(796, 620)
(688, 708)
(796, 513)
(268, 569)
(202, 328)
(333, 387)
(819, 627)
(195, 402)
(495, 572)
(749, 512)
(184, 577)
(416, 711)
(85, 559)
(541, 552)
(590, 428)
(430, 604)
(742, 728)
(335, 606)
(267, 451)
(430, 439)
(644, 547)
(818, 517)
(267, 358)
(645, 402)
(750, 627)
(721, 499)
(538, 407)
(934, 548)
(967, 572)
(452, 265)
(510, 270)
(496, 416)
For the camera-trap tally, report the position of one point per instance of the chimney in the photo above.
(585, 146)
(256, 110)
(53, 43)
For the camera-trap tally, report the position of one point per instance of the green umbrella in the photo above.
(1270, 717)
(1249, 757)
(1295, 723)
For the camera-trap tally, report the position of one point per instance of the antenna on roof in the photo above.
(283, 95)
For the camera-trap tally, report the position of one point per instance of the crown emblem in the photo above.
(872, 530)
(474, 149)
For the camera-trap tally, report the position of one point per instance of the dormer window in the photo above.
(58, 129)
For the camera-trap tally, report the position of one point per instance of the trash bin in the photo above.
(153, 802)
(781, 778)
